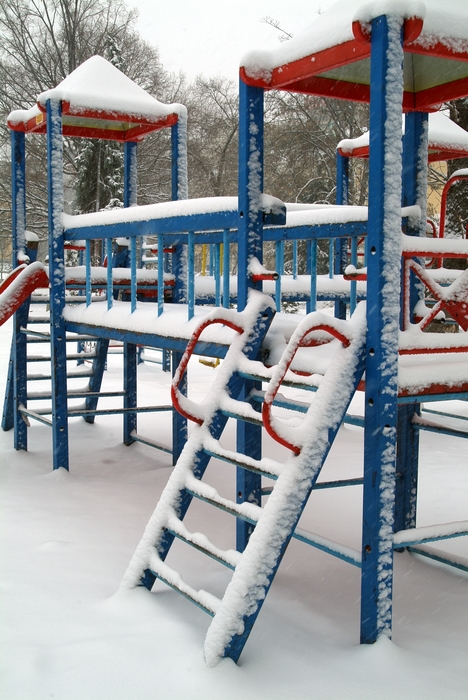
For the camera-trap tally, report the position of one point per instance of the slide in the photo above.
(18, 286)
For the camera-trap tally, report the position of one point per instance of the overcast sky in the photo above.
(209, 36)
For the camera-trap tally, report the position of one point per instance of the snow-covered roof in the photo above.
(332, 49)
(98, 96)
(446, 140)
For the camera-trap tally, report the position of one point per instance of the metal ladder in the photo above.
(271, 526)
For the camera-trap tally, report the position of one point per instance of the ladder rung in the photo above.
(204, 600)
(245, 511)
(76, 412)
(36, 415)
(83, 394)
(70, 375)
(229, 558)
(264, 467)
(70, 356)
(151, 443)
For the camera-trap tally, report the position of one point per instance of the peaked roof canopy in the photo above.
(331, 57)
(99, 101)
(447, 141)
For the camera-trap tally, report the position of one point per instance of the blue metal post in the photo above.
(250, 186)
(57, 285)
(250, 244)
(130, 350)
(130, 173)
(415, 146)
(382, 324)
(341, 247)
(178, 263)
(226, 268)
(16, 386)
(179, 424)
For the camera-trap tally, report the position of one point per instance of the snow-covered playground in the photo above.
(252, 481)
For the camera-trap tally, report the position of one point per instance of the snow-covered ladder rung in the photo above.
(70, 375)
(199, 541)
(203, 599)
(431, 533)
(263, 467)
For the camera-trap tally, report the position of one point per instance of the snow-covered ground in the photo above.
(67, 538)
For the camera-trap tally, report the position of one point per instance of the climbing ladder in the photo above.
(272, 526)
(35, 370)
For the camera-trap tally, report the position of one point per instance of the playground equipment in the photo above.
(374, 55)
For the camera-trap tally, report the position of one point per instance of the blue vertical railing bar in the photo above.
(18, 182)
(353, 284)
(109, 272)
(57, 285)
(331, 257)
(88, 271)
(279, 257)
(312, 265)
(160, 274)
(294, 259)
(130, 173)
(217, 273)
(133, 273)
(226, 268)
(191, 274)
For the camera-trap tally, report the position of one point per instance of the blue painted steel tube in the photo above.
(133, 274)
(312, 271)
(88, 272)
(16, 389)
(415, 146)
(130, 388)
(279, 269)
(109, 272)
(341, 246)
(294, 260)
(18, 191)
(353, 284)
(226, 268)
(250, 244)
(130, 173)
(160, 274)
(384, 241)
(191, 274)
(250, 186)
(57, 285)
(217, 274)
(179, 423)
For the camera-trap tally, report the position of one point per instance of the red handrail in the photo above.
(182, 368)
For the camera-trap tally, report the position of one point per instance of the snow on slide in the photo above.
(18, 286)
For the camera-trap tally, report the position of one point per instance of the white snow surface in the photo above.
(67, 538)
(98, 85)
(444, 22)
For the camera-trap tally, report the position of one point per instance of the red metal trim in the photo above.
(182, 368)
(443, 200)
(436, 389)
(261, 277)
(270, 395)
(432, 351)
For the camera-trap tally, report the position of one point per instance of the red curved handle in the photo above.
(275, 383)
(182, 368)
